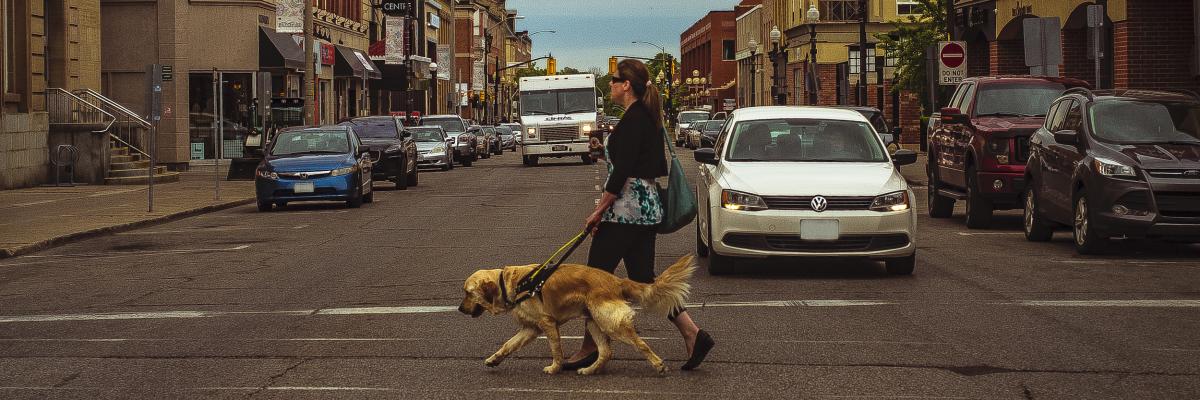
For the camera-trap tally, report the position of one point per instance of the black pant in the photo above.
(632, 243)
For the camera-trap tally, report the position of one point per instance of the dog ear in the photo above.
(490, 291)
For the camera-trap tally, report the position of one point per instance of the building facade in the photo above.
(518, 52)
(707, 56)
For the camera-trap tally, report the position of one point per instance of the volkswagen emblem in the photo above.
(1192, 173)
(303, 175)
(819, 204)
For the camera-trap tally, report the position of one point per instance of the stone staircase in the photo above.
(130, 168)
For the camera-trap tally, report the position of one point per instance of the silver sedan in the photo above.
(433, 148)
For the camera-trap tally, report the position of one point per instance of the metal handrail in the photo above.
(107, 102)
(132, 129)
(66, 108)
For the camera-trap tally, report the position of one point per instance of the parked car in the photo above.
(517, 131)
(326, 163)
(684, 121)
(434, 149)
(691, 138)
(709, 133)
(978, 144)
(392, 149)
(1115, 163)
(495, 144)
(465, 143)
(803, 182)
(507, 138)
(890, 135)
(482, 144)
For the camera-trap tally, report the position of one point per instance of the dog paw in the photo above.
(552, 369)
(492, 361)
(588, 371)
(661, 368)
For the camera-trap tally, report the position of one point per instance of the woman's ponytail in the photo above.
(636, 73)
(653, 102)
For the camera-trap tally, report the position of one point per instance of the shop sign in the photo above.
(327, 53)
(289, 16)
(395, 37)
(396, 7)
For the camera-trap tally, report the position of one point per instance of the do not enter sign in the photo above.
(952, 62)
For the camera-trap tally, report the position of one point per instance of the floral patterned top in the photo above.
(638, 203)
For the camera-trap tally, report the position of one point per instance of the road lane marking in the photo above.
(1105, 303)
(1179, 350)
(42, 259)
(988, 233)
(385, 310)
(34, 203)
(793, 303)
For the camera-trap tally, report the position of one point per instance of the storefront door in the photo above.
(233, 114)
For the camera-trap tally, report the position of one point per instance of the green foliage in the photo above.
(909, 42)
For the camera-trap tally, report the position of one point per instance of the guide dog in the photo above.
(573, 291)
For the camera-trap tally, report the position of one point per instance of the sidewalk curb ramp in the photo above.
(72, 237)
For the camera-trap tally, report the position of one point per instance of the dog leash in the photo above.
(531, 284)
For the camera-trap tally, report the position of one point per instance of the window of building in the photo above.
(728, 49)
(907, 7)
(855, 59)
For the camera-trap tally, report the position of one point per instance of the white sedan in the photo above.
(804, 182)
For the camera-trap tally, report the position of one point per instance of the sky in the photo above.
(589, 32)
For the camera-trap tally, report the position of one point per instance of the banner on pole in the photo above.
(395, 40)
(289, 16)
(445, 56)
(478, 77)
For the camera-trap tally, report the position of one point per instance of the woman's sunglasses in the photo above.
(618, 78)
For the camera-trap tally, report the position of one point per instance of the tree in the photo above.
(909, 43)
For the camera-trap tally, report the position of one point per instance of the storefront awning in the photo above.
(353, 63)
(278, 50)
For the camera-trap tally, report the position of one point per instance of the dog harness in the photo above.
(531, 284)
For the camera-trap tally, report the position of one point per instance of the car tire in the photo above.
(701, 248)
(448, 166)
(902, 265)
(466, 162)
(413, 178)
(1088, 239)
(499, 151)
(531, 161)
(401, 182)
(264, 206)
(356, 199)
(281, 204)
(939, 206)
(979, 209)
(1037, 228)
(719, 264)
(587, 159)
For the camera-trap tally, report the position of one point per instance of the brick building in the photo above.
(1151, 43)
(480, 30)
(707, 52)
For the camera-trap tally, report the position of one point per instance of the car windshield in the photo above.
(1145, 122)
(1021, 100)
(375, 128)
(714, 126)
(311, 142)
(427, 135)
(504, 130)
(560, 101)
(804, 139)
(689, 117)
(450, 125)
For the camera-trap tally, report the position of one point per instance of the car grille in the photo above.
(794, 243)
(803, 203)
(1174, 173)
(1178, 204)
(559, 133)
(1022, 149)
(306, 175)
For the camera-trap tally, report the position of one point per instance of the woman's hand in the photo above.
(592, 222)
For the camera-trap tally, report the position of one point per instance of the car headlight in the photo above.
(438, 149)
(395, 148)
(587, 128)
(735, 200)
(343, 171)
(895, 201)
(1108, 167)
(532, 132)
(262, 173)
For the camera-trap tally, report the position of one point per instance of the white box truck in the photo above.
(558, 113)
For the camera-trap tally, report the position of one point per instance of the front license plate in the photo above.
(819, 229)
(559, 148)
(303, 187)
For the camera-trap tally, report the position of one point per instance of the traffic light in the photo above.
(551, 66)
(612, 65)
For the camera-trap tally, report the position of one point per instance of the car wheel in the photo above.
(466, 162)
(499, 151)
(401, 182)
(531, 161)
(902, 265)
(719, 264)
(281, 204)
(701, 248)
(1037, 228)
(939, 206)
(412, 178)
(979, 209)
(1088, 239)
(264, 206)
(587, 159)
(448, 166)
(356, 199)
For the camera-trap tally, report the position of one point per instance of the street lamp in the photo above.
(433, 96)
(666, 63)
(813, 17)
(487, 43)
(753, 64)
(778, 63)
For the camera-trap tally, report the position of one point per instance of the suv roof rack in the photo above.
(1081, 90)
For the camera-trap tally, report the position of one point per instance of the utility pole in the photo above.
(310, 72)
(864, 15)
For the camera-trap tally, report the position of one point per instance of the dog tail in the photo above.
(669, 290)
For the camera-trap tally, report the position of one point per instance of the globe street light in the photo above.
(814, 16)
(778, 57)
(753, 54)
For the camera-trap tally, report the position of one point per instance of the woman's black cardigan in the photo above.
(635, 149)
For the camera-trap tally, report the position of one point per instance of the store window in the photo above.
(728, 49)
(233, 114)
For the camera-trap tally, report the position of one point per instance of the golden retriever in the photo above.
(571, 292)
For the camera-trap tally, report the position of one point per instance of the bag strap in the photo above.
(667, 142)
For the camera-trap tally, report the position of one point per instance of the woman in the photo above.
(624, 222)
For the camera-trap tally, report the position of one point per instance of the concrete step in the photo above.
(129, 165)
(141, 180)
(124, 158)
(124, 173)
(119, 151)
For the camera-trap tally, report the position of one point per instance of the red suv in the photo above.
(978, 144)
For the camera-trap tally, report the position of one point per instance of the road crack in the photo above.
(271, 380)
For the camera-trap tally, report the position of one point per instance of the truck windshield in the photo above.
(1024, 100)
(1146, 122)
(562, 101)
(805, 140)
(448, 125)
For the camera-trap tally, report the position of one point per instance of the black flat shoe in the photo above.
(704, 343)
(584, 362)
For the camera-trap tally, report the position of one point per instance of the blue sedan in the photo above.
(315, 164)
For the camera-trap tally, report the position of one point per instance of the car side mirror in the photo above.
(705, 156)
(951, 115)
(904, 157)
(365, 153)
(1066, 137)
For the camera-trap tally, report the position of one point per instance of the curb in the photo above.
(71, 237)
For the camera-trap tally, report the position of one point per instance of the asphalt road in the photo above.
(318, 301)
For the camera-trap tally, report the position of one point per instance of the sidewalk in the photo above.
(36, 218)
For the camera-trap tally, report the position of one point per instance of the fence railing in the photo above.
(130, 129)
(68, 111)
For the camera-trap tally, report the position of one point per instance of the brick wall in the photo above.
(1075, 56)
(1157, 40)
(1008, 57)
(979, 57)
(23, 153)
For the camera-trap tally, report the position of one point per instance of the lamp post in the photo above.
(487, 49)
(862, 52)
(814, 16)
(433, 97)
(666, 64)
(753, 65)
(778, 63)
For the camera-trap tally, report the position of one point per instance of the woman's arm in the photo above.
(593, 221)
